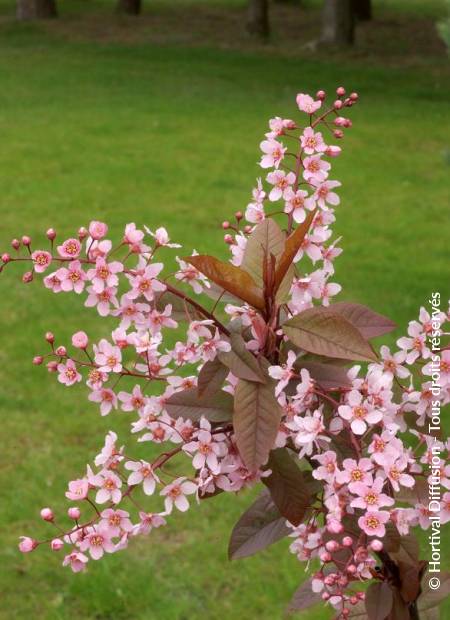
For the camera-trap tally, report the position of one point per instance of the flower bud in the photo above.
(334, 527)
(61, 351)
(238, 215)
(325, 596)
(338, 104)
(26, 240)
(47, 514)
(74, 513)
(15, 243)
(333, 151)
(347, 541)
(354, 97)
(340, 92)
(361, 595)
(325, 557)
(27, 544)
(351, 569)
(340, 121)
(80, 340)
(37, 360)
(225, 225)
(247, 229)
(97, 230)
(228, 239)
(52, 366)
(376, 545)
(82, 233)
(6, 258)
(332, 545)
(51, 234)
(346, 612)
(353, 600)
(338, 133)
(50, 338)
(56, 544)
(320, 95)
(27, 277)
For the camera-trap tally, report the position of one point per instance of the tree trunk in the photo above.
(362, 9)
(338, 23)
(36, 9)
(258, 18)
(129, 7)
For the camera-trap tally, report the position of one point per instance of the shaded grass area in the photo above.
(169, 135)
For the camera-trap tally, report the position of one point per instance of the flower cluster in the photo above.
(254, 384)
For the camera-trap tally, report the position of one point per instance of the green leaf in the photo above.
(267, 238)
(319, 331)
(256, 421)
(287, 486)
(242, 363)
(188, 404)
(379, 600)
(211, 377)
(233, 279)
(261, 525)
(369, 323)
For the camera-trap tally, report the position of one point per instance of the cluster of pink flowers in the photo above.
(372, 479)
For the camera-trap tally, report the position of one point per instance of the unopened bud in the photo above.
(37, 360)
(6, 258)
(325, 596)
(52, 366)
(15, 243)
(351, 569)
(80, 340)
(376, 545)
(320, 95)
(26, 240)
(333, 151)
(325, 557)
(239, 215)
(61, 351)
(225, 225)
(27, 544)
(354, 97)
(338, 104)
(332, 545)
(347, 541)
(247, 229)
(74, 513)
(228, 239)
(51, 234)
(82, 233)
(50, 337)
(340, 92)
(27, 277)
(47, 514)
(56, 544)
(338, 133)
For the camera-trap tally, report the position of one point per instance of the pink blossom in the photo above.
(312, 142)
(281, 181)
(68, 373)
(209, 348)
(373, 523)
(175, 494)
(161, 237)
(328, 467)
(76, 560)
(41, 259)
(355, 472)
(359, 413)
(278, 126)
(309, 431)
(110, 455)
(284, 373)
(78, 489)
(315, 168)
(149, 520)
(323, 193)
(97, 541)
(97, 230)
(106, 397)
(370, 496)
(52, 282)
(192, 276)
(156, 320)
(130, 312)
(394, 469)
(145, 284)
(71, 248)
(102, 300)
(392, 363)
(116, 521)
(273, 153)
(132, 401)
(307, 104)
(108, 484)
(133, 237)
(296, 204)
(108, 357)
(104, 275)
(205, 448)
(142, 474)
(72, 278)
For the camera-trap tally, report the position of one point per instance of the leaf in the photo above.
(267, 238)
(369, 323)
(391, 540)
(233, 279)
(304, 597)
(399, 609)
(358, 611)
(328, 376)
(261, 525)
(291, 247)
(379, 600)
(429, 599)
(282, 294)
(211, 377)
(287, 486)
(409, 580)
(181, 309)
(256, 420)
(319, 331)
(408, 551)
(188, 404)
(241, 362)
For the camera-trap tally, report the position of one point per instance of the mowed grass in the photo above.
(163, 135)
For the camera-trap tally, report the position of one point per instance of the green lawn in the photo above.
(168, 135)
